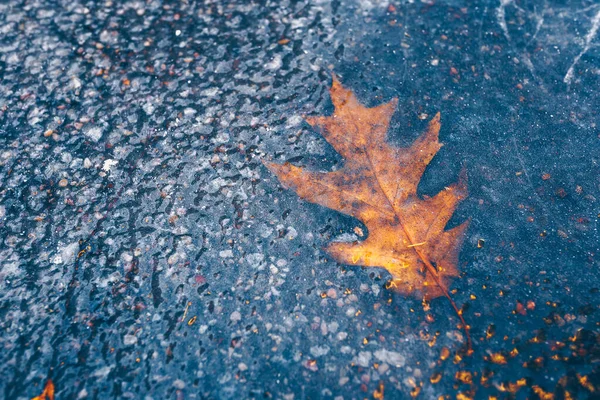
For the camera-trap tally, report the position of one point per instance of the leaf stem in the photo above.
(430, 268)
(436, 278)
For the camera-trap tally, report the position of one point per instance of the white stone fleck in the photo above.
(94, 133)
(291, 233)
(391, 357)
(226, 254)
(318, 351)
(275, 63)
(294, 120)
(68, 253)
(235, 316)
(148, 108)
(211, 92)
(333, 327)
(108, 164)
(363, 359)
(376, 289)
(255, 259)
(129, 340)
(179, 384)
(102, 372)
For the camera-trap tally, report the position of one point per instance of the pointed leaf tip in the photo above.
(435, 122)
(391, 106)
(312, 121)
(272, 166)
(266, 163)
(341, 97)
(335, 84)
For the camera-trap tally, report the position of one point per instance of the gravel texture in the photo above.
(146, 252)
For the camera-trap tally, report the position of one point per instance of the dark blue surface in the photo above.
(133, 198)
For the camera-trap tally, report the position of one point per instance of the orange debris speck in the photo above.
(498, 358)
(378, 393)
(444, 354)
(435, 378)
(464, 377)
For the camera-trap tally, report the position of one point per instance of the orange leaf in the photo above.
(378, 185)
(48, 393)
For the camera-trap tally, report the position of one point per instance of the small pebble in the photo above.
(129, 340)
(235, 316)
(179, 384)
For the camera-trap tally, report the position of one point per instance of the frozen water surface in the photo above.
(146, 252)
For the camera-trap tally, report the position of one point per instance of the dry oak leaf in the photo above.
(378, 186)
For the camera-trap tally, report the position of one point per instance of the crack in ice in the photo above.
(501, 17)
(588, 41)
